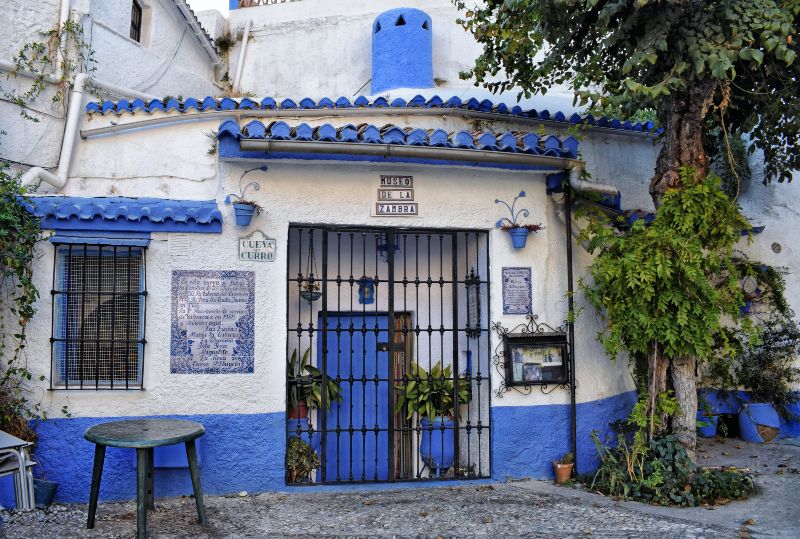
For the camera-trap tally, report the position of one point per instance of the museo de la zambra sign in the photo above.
(257, 247)
(395, 197)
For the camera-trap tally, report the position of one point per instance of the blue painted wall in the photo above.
(402, 50)
(730, 403)
(239, 452)
(526, 439)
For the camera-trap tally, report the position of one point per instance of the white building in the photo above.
(378, 171)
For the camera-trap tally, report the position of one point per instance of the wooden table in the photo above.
(144, 435)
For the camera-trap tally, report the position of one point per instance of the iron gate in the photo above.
(387, 355)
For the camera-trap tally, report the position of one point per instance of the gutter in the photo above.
(199, 33)
(72, 124)
(440, 113)
(237, 78)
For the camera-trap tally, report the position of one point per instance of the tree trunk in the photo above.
(684, 422)
(657, 365)
(682, 117)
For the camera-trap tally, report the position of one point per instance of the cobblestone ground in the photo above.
(463, 511)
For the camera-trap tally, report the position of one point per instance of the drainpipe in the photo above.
(237, 78)
(585, 186)
(71, 127)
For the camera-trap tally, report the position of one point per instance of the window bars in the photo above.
(99, 295)
(136, 21)
(386, 336)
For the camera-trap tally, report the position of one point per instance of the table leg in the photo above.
(150, 475)
(141, 493)
(97, 473)
(191, 455)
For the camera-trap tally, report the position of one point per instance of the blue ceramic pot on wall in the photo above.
(754, 414)
(437, 446)
(244, 214)
(707, 425)
(519, 236)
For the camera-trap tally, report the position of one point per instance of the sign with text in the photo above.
(212, 322)
(517, 291)
(395, 197)
(257, 248)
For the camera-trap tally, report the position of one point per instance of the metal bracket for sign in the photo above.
(531, 327)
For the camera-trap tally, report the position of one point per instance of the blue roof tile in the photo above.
(123, 213)
(486, 106)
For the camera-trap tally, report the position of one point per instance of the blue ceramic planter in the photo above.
(437, 447)
(757, 413)
(294, 426)
(707, 425)
(518, 237)
(244, 214)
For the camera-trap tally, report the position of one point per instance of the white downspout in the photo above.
(71, 127)
(62, 19)
(237, 78)
(582, 186)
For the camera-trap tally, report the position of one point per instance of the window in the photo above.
(136, 21)
(99, 297)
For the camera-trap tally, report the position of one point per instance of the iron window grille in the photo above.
(99, 299)
(136, 21)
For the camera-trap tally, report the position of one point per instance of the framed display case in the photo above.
(539, 358)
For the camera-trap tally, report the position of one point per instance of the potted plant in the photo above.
(305, 393)
(563, 468)
(706, 420)
(310, 291)
(430, 396)
(519, 232)
(301, 459)
(244, 210)
(767, 371)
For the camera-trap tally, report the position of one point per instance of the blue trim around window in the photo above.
(133, 239)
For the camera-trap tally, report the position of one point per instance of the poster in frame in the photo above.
(536, 359)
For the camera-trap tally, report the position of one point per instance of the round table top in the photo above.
(144, 433)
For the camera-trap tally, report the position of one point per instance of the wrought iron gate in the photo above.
(387, 355)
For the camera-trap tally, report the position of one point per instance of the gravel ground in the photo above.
(529, 508)
(478, 510)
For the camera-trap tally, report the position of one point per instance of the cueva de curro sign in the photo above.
(257, 247)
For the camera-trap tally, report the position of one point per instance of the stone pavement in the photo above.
(528, 508)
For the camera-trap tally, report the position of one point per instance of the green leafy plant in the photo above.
(767, 369)
(300, 460)
(567, 458)
(305, 382)
(19, 232)
(431, 394)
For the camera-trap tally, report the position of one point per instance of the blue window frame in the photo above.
(99, 299)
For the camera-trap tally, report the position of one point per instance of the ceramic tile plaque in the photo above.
(517, 292)
(212, 322)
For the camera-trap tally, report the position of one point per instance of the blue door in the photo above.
(356, 430)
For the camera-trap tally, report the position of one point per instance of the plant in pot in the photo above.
(519, 232)
(305, 393)
(301, 459)
(244, 208)
(706, 420)
(430, 396)
(563, 468)
(767, 371)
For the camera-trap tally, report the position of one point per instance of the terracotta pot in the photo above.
(563, 472)
(299, 411)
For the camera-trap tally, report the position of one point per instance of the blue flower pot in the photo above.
(43, 492)
(707, 425)
(293, 426)
(244, 214)
(437, 446)
(518, 237)
(753, 414)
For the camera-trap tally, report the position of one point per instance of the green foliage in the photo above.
(305, 383)
(431, 394)
(670, 283)
(766, 369)
(638, 54)
(63, 51)
(300, 459)
(665, 475)
(568, 458)
(19, 232)
(730, 161)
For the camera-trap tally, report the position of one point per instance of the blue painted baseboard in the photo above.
(526, 439)
(241, 452)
